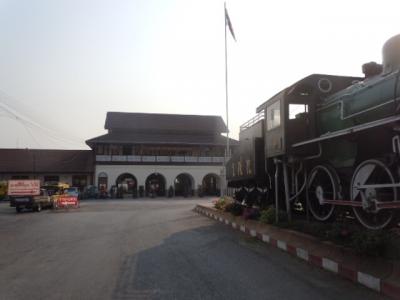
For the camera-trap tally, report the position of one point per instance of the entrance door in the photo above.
(155, 185)
(183, 185)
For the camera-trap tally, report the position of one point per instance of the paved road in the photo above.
(149, 249)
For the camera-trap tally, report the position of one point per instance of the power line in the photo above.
(14, 111)
(34, 125)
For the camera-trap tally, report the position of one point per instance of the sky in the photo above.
(65, 63)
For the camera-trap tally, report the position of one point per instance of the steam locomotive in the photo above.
(328, 142)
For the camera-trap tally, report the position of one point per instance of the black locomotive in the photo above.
(328, 141)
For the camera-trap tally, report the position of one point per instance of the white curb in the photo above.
(265, 238)
(369, 281)
(301, 253)
(330, 265)
(282, 245)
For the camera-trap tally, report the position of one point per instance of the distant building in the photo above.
(74, 167)
(149, 153)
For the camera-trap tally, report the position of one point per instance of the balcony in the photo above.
(159, 159)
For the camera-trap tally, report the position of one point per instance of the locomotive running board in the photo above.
(349, 130)
(381, 205)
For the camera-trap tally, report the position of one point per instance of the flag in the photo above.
(228, 22)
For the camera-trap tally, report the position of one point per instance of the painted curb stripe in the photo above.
(390, 290)
(315, 260)
(330, 265)
(291, 249)
(281, 245)
(265, 238)
(369, 281)
(301, 253)
(347, 273)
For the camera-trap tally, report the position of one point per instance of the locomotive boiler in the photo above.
(334, 141)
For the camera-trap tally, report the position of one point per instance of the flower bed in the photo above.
(382, 243)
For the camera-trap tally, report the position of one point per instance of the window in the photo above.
(100, 149)
(126, 150)
(296, 109)
(274, 115)
(51, 179)
(20, 177)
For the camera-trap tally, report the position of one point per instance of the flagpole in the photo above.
(226, 102)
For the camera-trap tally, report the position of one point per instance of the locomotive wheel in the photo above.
(373, 172)
(322, 184)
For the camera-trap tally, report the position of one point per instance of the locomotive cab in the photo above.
(290, 114)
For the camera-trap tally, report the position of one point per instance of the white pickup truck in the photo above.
(27, 194)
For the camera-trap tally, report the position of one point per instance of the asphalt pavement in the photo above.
(149, 249)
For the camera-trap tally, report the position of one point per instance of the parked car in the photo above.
(35, 203)
(90, 192)
(72, 191)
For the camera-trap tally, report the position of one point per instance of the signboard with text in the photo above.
(65, 201)
(23, 187)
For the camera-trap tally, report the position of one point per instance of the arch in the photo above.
(211, 185)
(155, 185)
(127, 183)
(184, 185)
(102, 181)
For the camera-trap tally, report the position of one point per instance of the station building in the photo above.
(150, 153)
(141, 154)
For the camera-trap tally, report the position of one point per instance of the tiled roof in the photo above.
(165, 122)
(45, 161)
(154, 138)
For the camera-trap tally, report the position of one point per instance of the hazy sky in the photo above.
(64, 64)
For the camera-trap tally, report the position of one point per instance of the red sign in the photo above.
(67, 201)
(23, 187)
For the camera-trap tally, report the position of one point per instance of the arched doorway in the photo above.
(211, 185)
(155, 185)
(183, 185)
(102, 181)
(127, 184)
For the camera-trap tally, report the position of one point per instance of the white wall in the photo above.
(170, 172)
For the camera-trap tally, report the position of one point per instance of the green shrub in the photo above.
(223, 202)
(369, 242)
(236, 209)
(268, 215)
(220, 203)
(339, 233)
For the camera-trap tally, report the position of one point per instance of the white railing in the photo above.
(103, 157)
(177, 158)
(164, 159)
(146, 158)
